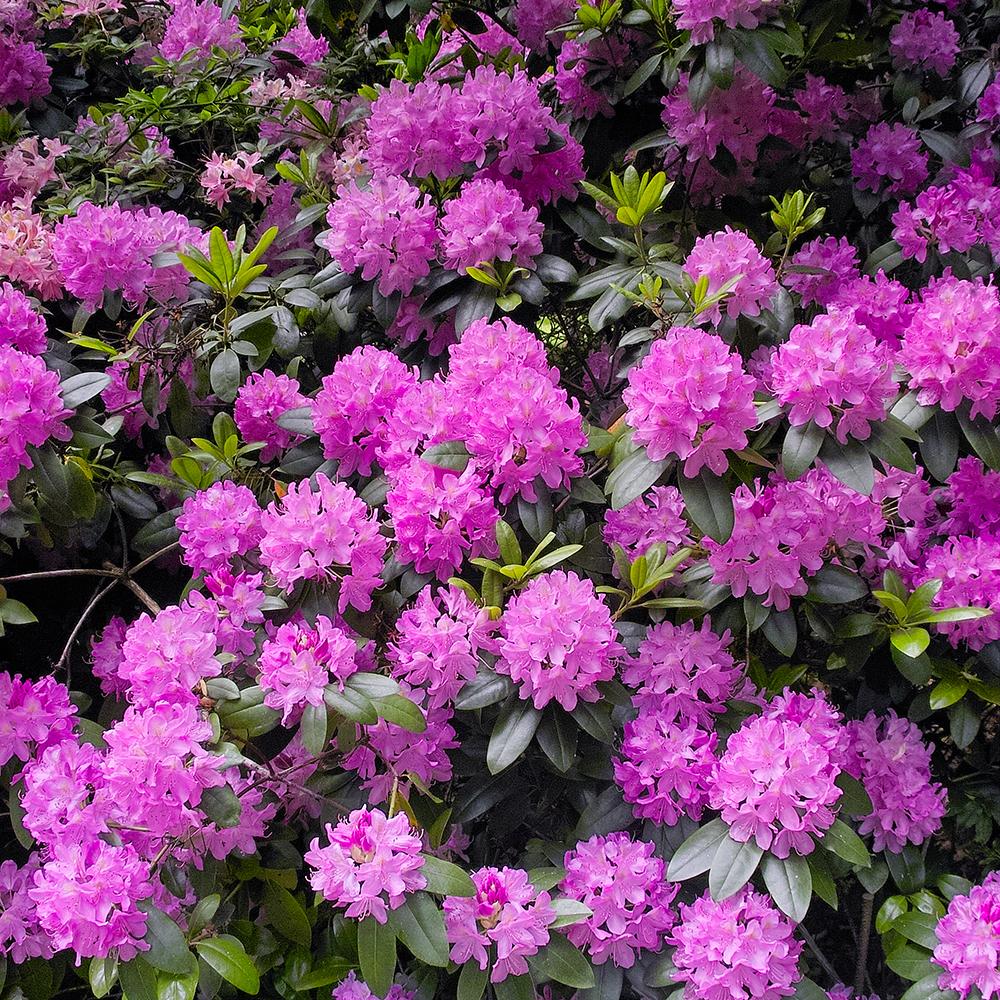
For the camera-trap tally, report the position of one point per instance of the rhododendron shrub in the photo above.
(499, 500)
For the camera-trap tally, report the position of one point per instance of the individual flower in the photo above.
(968, 948)
(665, 769)
(440, 518)
(195, 28)
(325, 533)
(506, 912)
(775, 781)
(224, 175)
(890, 758)
(623, 883)
(889, 160)
(832, 372)
(557, 640)
(489, 223)
(826, 264)
(21, 326)
(924, 40)
(298, 663)
(369, 865)
(217, 524)
(384, 232)
(262, 399)
(732, 257)
(740, 948)
(690, 397)
(351, 407)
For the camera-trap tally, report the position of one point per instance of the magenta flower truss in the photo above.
(218, 524)
(24, 72)
(384, 232)
(835, 374)
(732, 256)
(299, 661)
(700, 16)
(775, 782)
(232, 611)
(741, 948)
(894, 764)
(825, 107)
(665, 769)
(691, 398)
(353, 988)
(534, 21)
(972, 496)
(489, 223)
(21, 325)
(939, 217)
(261, 400)
(924, 40)
(163, 658)
(968, 948)
(304, 45)
(195, 28)
(21, 935)
(683, 673)
(623, 882)
(33, 715)
(350, 410)
(880, 304)
(952, 346)
(889, 160)
(506, 921)
(324, 533)
(657, 517)
(575, 62)
(830, 263)
(557, 640)
(226, 175)
(86, 897)
(440, 642)
(369, 865)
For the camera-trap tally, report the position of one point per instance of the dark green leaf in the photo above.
(837, 585)
(709, 503)
(696, 854)
(224, 375)
(927, 989)
(451, 455)
(557, 736)
(909, 961)
(445, 878)
(286, 914)
(800, 447)
(228, 957)
(419, 924)
(471, 981)
(515, 988)
(855, 800)
(846, 844)
(781, 631)
(850, 463)
(103, 974)
(963, 721)
(167, 948)
(789, 881)
(561, 961)
(377, 955)
(313, 729)
(513, 731)
(732, 867)
(917, 927)
(632, 477)
(939, 445)
(78, 389)
(485, 689)
(982, 435)
(138, 979)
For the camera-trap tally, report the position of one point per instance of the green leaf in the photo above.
(513, 731)
(313, 728)
(485, 689)
(451, 455)
(557, 736)
(248, 716)
(855, 800)
(909, 961)
(837, 585)
(471, 981)
(927, 989)
(561, 961)
(631, 477)
(806, 989)
(102, 974)
(445, 878)
(789, 881)
(224, 375)
(228, 957)
(325, 972)
(982, 435)
(800, 447)
(947, 691)
(286, 914)
(910, 642)
(77, 389)
(781, 631)
(732, 867)
(297, 420)
(846, 844)
(350, 704)
(709, 503)
(203, 913)
(823, 884)
(963, 721)
(168, 949)
(569, 912)
(510, 547)
(515, 988)
(696, 854)
(16, 811)
(917, 927)
(15, 613)
(939, 444)
(377, 955)
(544, 879)
(609, 983)
(400, 711)
(138, 979)
(850, 463)
(419, 924)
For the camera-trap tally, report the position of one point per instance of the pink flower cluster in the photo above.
(224, 175)
(21, 326)
(657, 517)
(889, 160)
(700, 16)
(924, 40)
(263, 398)
(34, 715)
(218, 524)
(196, 27)
(968, 948)
(821, 268)
(731, 256)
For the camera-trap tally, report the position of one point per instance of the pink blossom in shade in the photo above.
(21, 935)
(623, 883)
(655, 518)
(665, 768)
(557, 641)
(353, 988)
(439, 644)
(233, 609)
(224, 175)
(968, 948)
(972, 496)
(488, 223)
(491, 42)
(324, 532)
(21, 326)
(889, 160)
(924, 40)
(262, 399)
(552, 175)
(163, 658)
(440, 518)
(834, 373)
(878, 303)
(775, 782)
(940, 218)
(412, 326)
(827, 264)
(90, 8)
(683, 673)
(217, 524)
(741, 948)
(507, 912)
(351, 407)
(24, 72)
(726, 256)
(34, 715)
(86, 896)
(891, 759)
(690, 397)
(304, 45)
(575, 62)
(952, 346)
(195, 28)
(27, 168)
(534, 21)
(299, 662)
(969, 568)
(123, 396)
(824, 106)
(106, 656)
(384, 232)
(988, 108)
(700, 17)
(26, 250)
(369, 865)
(31, 410)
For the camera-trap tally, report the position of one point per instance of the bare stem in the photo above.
(820, 957)
(867, 905)
(49, 574)
(94, 601)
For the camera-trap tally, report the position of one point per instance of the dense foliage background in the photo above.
(499, 500)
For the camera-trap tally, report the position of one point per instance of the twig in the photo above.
(821, 958)
(94, 601)
(867, 905)
(49, 574)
